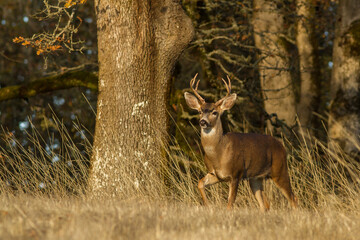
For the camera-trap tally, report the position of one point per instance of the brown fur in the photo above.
(235, 156)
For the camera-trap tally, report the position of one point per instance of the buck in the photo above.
(235, 156)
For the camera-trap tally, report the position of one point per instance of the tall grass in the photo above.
(42, 196)
(321, 177)
(40, 168)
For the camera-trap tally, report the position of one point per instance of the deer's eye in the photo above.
(215, 113)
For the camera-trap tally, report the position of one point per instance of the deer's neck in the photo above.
(210, 139)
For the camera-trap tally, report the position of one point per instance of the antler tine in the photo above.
(228, 86)
(192, 83)
(229, 82)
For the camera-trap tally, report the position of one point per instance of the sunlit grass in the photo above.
(43, 196)
(40, 168)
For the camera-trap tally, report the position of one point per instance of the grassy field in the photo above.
(326, 182)
(25, 217)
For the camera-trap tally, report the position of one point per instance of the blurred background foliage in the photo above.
(224, 45)
(21, 65)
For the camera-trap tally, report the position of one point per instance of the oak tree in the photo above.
(138, 44)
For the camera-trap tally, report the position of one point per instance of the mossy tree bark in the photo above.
(276, 82)
(344, 121)
(49, 84)
(139, 42)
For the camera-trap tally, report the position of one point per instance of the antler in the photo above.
(228, 89)
(227, 85)
(192, 83)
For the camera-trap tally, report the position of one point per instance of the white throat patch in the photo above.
(210, 133)
(209, 150)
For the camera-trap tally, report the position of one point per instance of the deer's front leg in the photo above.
(208, 180)
(234, 183)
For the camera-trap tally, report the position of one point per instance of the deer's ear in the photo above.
(192, 101)
(228, 102)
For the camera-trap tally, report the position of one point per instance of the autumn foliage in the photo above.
(70, 3)
(38, 45)
(62, 36)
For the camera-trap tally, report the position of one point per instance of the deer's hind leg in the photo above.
(282, 180)
(256, 185)
(283, 183)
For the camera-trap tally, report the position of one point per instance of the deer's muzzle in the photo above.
(204, 123)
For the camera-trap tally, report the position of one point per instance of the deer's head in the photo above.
(209, 112)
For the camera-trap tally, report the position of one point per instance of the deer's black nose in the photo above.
(203, 123)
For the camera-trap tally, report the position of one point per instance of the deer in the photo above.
(234, 156)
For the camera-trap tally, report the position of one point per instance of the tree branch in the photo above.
(81, 78)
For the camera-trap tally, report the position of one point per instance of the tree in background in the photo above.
(276, 81)
(305, 43)
(314, 34)
(344, 120)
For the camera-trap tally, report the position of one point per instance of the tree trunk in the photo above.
(304, 42)
(344, 121)
(276, 80)
(138, 44)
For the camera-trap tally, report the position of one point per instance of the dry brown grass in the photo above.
(25, 217)
(326, 182)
